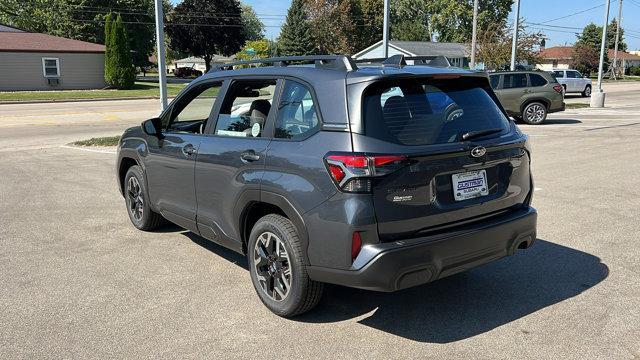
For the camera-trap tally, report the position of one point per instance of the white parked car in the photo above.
(573, 81)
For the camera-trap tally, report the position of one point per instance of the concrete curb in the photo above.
(18, 102)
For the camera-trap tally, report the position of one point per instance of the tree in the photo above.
(372, 21)
(109, 69)
(84, 20)
(123, 71)
(223, 34)
(494, 45)
(452, 20)
(295, 36)
(257, 49)
(253, 27)
(585, 58)
(592, 35)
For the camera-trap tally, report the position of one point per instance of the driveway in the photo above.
(78, 281)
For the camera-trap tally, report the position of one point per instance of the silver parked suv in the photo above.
(573, 82)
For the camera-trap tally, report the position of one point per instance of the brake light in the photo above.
(353, 172)
(558, 88)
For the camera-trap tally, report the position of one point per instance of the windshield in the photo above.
(430, 111)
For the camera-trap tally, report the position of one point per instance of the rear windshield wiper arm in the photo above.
(474, 134)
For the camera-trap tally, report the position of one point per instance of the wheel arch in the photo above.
(124, 164)
(253, 206)
(544, 102)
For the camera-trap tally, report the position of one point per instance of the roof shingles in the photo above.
(36, 42)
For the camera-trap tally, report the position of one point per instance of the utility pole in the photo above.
(385, 30)
(514, 42)
(597, 97)
(472, 64)
(162, 68)
(615, 52)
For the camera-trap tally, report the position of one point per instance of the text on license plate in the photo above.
(469, 185)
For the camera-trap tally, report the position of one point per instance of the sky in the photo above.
(559, 32)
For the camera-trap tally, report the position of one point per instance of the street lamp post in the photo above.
(597, 97)
(162, 68)
(514, 42)
(385, 30)
(472, 64)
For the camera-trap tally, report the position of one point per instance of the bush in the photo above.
(119, 70)
(635, 71)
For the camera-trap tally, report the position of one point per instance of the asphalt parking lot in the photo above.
(78, 281)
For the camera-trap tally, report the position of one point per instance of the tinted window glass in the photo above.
(495, 80)
(191, 112)
(245, 108)
(558, 74)
(512, 81)
(297, 116)
(537, 80)
(424, 112)
(572, 74)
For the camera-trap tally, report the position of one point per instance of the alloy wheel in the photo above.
(535, 113)
(134, 198)
(272, 266)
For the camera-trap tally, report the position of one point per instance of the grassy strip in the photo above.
(139, 90)
(577, 105)
(101, 141)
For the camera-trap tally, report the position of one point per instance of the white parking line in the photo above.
(90, 150)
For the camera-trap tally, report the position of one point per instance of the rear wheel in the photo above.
(135, 193)
(587, 91)
(534, 113)
(277, 269)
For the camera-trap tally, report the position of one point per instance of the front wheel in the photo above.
(135, 193)
(587, 91)
(534, 113)
(277, 268)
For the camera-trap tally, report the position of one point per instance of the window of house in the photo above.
(246, 108)
(51, 67)
(297, 116)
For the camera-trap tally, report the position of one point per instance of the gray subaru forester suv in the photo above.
(380, 176)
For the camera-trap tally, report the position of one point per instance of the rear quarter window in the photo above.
(537, 80)
(429, 111)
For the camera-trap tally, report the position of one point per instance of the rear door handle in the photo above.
(249, 156)
(189, 150)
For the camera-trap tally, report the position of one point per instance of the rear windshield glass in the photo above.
(429, 111)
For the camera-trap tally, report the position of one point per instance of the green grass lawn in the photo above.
(139, 90)
(577, 105)
(101, 141)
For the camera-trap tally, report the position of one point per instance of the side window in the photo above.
(512, 81)
(495, 80)
(537, 80)
(297, 115)
(558, 74)
(191, 113)
(51, 67)
(578, 75)
(245, 108)
(572, 74)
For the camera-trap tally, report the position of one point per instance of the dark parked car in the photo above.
(379, 177)
(183, 72)
(528, 95)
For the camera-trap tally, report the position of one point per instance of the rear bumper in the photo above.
(558, 107)
(406, 263)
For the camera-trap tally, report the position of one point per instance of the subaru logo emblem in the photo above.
(478, 151)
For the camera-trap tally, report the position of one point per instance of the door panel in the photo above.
(231, 158)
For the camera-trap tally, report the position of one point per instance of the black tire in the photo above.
(517, 118)
(535, 113)
(303, 294)
(587, 91)
(137, 199)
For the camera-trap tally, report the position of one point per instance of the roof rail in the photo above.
(333, 62)
(399, 60)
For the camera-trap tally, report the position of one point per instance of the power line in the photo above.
(572, 14)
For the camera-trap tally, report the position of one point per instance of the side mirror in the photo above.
(153, 127)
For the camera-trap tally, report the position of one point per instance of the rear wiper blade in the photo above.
(474, 134)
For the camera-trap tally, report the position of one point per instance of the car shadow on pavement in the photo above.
(469, 303)
(560, 122)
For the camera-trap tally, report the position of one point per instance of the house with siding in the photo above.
(457, 54)
(559, 57)
(34, 61)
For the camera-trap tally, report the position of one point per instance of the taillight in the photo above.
(353, 172)
(558, 88)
